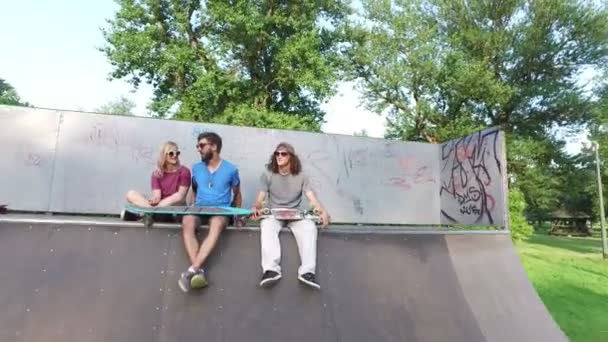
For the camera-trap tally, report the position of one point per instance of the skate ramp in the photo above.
(104, 280)
(96, 283)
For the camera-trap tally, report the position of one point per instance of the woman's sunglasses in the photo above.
(174, 153)
(281, 153)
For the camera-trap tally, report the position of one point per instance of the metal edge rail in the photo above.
(336, 228)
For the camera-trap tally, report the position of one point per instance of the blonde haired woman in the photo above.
(170, 182)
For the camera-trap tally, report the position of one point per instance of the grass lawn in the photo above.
(572, 280)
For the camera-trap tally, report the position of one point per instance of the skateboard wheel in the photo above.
(265, 211)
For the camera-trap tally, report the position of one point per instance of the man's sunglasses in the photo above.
(281, 153)
(201, 146)
(174, 153)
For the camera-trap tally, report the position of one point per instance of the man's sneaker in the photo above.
(128, 216)
(198, 280)
(184, 281)
(309, 279)
(269, 278)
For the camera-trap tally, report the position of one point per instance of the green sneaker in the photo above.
(198, 280)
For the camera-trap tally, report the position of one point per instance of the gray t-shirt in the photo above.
(284, 191)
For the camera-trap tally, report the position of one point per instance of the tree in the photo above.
(598, 128)
(9, 96)
(511, 64)
(537, 175)
(441, 68)
(576, 186)
(598, 132)
(119, 106)
(209, 58)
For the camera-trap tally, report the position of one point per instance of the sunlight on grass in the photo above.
(572, 280)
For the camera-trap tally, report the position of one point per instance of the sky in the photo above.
(49, 54)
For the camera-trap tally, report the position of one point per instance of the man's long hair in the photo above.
(295, 166)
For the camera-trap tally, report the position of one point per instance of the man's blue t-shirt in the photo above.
(214, 189)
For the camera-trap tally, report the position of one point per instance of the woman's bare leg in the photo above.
(137, 199)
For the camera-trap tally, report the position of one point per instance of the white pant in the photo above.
(305, 233)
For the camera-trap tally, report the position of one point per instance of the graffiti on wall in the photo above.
(110, 135)
(471, 179)
(321, 174)
(412, 173)
(378, 173)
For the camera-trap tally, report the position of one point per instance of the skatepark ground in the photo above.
(104, 280)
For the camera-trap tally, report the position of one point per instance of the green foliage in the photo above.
(580, 192)
(119, 106)
(534, 49)
(520, 229)
(205, 58)
(396, 63)
(511, 64)
(577, 186)
(599, 134)
(244, 115)
(9, 96)
(530, 161)
(458, 127)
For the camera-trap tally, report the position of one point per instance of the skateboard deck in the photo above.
(290, 214)
(189, 210)
(186, 210)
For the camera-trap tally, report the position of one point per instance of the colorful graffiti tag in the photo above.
(472, 179)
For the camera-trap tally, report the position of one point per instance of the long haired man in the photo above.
(284, 184)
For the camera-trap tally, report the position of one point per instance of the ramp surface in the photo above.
(80, 283)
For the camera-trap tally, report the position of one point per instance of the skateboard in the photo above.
(291, 214)
(185, 210)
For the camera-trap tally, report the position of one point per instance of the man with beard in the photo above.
(215, 182)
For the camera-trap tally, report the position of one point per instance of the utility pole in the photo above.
(599, 189)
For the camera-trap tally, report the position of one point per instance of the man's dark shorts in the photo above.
(205, 220)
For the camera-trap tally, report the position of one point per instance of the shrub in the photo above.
(520, 228)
